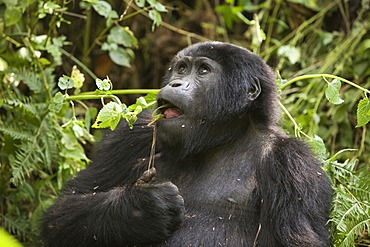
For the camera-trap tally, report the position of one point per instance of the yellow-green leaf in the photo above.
(77, 77)
(109, 116)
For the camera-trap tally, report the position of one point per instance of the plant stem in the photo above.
(79, 63)
(86, 37)
(297, 129)
(170, 27)
(109, 94)
(304, 77)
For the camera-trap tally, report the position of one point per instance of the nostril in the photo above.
(179, 83)
(176, 84)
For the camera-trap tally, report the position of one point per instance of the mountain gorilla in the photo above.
(226, 175)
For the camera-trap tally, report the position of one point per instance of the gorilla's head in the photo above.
(213, 92)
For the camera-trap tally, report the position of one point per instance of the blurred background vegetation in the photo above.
(44, 141)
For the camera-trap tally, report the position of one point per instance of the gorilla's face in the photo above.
(185, 99)
(209, 92)
(184, 96)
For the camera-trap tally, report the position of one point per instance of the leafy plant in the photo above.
(43, 129)
(46, 110)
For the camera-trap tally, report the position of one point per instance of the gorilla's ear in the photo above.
(254, 88)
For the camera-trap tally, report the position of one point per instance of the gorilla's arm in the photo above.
(103, 206)
(295, 197)
(140, 214)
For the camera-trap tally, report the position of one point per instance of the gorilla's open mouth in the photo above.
(168, 109)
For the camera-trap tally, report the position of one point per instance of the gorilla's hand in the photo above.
(147, 176)
(157, 208)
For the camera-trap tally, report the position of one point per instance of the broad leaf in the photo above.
(122, 36)
(332, 92)
(109, 116)
(120, 56)
(56, 102)
(12, 15)
(157, 5)
(104, 85)
(103, 8)
(146, 101)
(155, 16)
(363, 112)
(292, 53)
(140, 3)
(65, 82)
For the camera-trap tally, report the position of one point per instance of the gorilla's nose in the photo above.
(181, 84)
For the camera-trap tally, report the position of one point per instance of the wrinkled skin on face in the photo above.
(209, 94)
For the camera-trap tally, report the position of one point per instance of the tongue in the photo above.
(171, 113)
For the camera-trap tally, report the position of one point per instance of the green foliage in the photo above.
(46, 114)
(104, 85)
(32, 151)
(332, 92)
(350, 215)
(43, 131)
(363, 112)
(292, 53)
(154, 13)
(109, 116)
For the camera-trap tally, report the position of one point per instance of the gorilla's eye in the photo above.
(182, 68)
(203, 69)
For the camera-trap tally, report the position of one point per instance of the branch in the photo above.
(303, 77)
(109, 94)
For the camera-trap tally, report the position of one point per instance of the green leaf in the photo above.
(78, 129)
(140, 3)
(157, 5)
(44, 61)
(109, 47)
(54, 48)
(90, 114)
(15, 133)
(31, 79)
(318, 147)
(363, 112)
(12, 15)
(131, 117)
(155, 16)
(56, 102)
(3, 64)
(72, 149)
(292, 53)
(113, 14)
(120, 56)
(122, 36)
(145, 102)
(103, 8)
(65, 82)
(104, 85)
(109, 116)
(332, 92)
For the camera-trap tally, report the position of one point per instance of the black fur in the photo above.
(226, 174)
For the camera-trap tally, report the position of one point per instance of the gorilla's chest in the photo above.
(220, 181)
(220, 202)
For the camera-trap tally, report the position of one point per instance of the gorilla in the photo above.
(225, 173)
